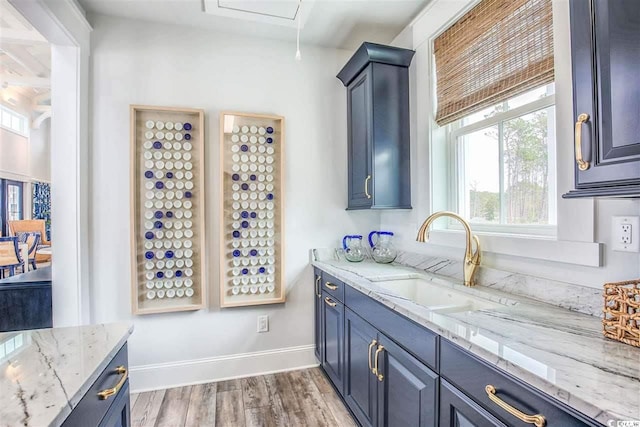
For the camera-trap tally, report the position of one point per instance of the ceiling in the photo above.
(331, 23)
(25, 63)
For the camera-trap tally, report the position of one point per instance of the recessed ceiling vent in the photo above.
(279, 12)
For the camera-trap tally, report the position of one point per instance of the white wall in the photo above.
(40, 156)
(578, 220)
(14, 156)
(26, 158)
(143, 63)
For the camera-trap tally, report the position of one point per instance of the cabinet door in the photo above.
(407, 391)
(119, 414)
(317, 297)
(457, 410)
(333, 339)
(606, 88)
(360, 384)
(359, 110)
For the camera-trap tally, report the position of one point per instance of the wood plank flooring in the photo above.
(296, 398)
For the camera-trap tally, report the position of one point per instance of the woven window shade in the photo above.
(497, 50)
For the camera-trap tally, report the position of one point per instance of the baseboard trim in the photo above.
(221, 368)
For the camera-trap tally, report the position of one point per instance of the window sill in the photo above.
(542, 248)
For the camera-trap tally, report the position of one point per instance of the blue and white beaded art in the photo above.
(167, 187)
(252, 225)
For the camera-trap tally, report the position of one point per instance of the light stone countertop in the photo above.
(44, 373)
(560, 352)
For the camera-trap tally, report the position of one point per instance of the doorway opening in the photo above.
(44, 56)
(25, 144)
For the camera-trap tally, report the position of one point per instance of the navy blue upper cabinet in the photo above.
(377, 81)
(605, 52)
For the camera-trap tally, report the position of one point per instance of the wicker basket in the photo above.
(621, 320)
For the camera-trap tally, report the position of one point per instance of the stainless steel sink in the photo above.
(437, 298)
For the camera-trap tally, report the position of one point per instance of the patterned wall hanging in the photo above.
(167, 200)
(252, 153)
(42, 205)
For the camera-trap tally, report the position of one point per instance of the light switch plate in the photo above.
(625, 233)
(263, 323)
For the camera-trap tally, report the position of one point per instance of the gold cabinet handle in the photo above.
(375, 366)
(366, 186)
(582, 164)
(373, 342)
(108, 392)
(331, 286)
(318, 294)
(537, 420)
(329, 302)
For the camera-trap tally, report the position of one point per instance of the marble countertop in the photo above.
(44, 373)
(558, 351)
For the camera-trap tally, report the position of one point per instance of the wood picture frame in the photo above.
(167, 190)
(252, 206)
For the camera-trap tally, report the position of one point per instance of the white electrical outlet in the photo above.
(625, 233)
(263, 323)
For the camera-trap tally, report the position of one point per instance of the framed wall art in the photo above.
(167, 209)
(252, 225)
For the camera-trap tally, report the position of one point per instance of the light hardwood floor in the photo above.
(296, 398)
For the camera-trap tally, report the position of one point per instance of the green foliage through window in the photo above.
(506, 171)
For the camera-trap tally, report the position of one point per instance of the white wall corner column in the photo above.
(63, 24)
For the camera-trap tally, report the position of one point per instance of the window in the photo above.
(11, 203)
(13, 121)
(494, 71)
(502, 162)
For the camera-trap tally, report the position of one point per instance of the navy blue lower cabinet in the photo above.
(384, 384)
(333, 339)
(360, 384)
(119, 414)
(407, 389)
(474, 376)
(393, 372)
(457, 410)
(317, 297)
(419, 341)
(110, 410)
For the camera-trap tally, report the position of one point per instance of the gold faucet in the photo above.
(471, 259)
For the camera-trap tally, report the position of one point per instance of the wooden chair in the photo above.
(9, 255)
(31, 226)
(33, 242)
